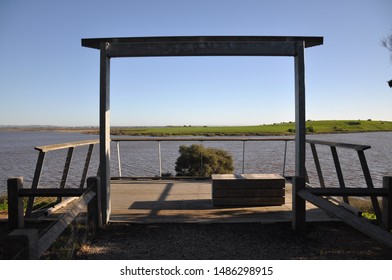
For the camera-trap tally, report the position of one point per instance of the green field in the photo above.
(313, 127)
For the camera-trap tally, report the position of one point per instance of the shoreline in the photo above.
(276, 129)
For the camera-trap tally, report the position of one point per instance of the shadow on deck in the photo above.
(189, 201)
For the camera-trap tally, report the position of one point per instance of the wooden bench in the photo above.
(248, 190)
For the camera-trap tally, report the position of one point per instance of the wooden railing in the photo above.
(321, 196)
(342, 188)
(40, 162)
(29, 243)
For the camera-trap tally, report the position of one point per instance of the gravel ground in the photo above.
(327, 240)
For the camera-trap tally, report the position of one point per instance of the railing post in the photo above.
(243, 157)
(317, 164)
(159, 159)
(86, 165)
(119, 159)
(339, 172)
(369, 183)
(94, 208)
(67, 165)
(284, 158)
(15, 203)
(34, 185)
(387, 204)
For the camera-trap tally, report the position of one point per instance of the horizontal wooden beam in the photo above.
(50, 192)
(347, 217)
(206, 48)
(339, 145)
(96, 42)
(347, 192)
(65, 145)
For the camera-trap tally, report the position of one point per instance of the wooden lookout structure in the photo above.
(204, 46)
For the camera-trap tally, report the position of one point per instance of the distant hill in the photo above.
(285, 128)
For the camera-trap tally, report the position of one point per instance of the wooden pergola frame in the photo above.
(205, 46)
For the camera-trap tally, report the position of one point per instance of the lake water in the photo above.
(18, 157)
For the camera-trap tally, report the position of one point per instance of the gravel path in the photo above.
(327, 240)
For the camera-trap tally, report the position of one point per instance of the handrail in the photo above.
(339, 145)
(40, 162)
(61, 146)
(197, 139)
(362, 159)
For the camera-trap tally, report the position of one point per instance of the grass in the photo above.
(285, 128)
(39, 202)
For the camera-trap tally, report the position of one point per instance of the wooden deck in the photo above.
(190, 201)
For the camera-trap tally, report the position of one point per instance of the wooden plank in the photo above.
(347, 192)
(249, 201)
(62, 223)
(67, 145)
(358, 223)
(248, 193)
(50, 192)
(247, 181)
(249, 184)
(339, 145)
(204, 48)
(95, 42)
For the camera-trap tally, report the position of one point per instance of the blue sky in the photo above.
(47, 78)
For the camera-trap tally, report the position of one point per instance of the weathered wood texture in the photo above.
(104, 135)
(248, 190)
(15, 203)
(63, 221)
(358, 223)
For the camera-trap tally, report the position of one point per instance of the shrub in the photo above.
(197, 160)
(354, 123)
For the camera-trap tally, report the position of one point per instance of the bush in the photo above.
(197, 160)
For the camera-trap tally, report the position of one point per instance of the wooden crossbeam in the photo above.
(50, 192)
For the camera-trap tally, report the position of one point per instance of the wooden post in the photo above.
(387, 204)
(21, 244)
(94, 209)
(339, 172)
(104, 125)
(86, 165)
(369, 183)
(317, 164)
(299, 205)
(15, 203)
(35, 183)
(298, 222)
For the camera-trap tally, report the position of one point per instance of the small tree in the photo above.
(197, 160)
